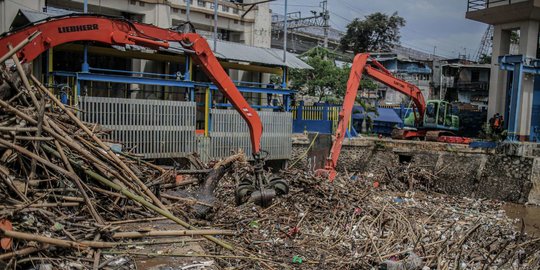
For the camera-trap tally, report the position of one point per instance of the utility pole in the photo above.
(318, 19)
(326, 18)
(215, 24)
(85, 65)
(285, 35)
(188, 5)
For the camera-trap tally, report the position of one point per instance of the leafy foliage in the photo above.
(485, 59)
(378, 32)
(326, 80)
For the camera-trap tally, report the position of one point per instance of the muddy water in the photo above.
(530, 215)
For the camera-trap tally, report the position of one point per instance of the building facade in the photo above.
(512, 18)
(416, 72)
(235, 22)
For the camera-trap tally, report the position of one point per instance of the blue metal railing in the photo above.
(475, 5)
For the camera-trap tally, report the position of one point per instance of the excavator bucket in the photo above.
(327, 173)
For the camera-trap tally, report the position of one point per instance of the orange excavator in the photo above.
(34, 39)
(431, 120)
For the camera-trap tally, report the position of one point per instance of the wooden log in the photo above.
(19, 129)
(21, 252)
(55, 241)
(31, 138)
(171, 233)
(41, 205)
(206, 190)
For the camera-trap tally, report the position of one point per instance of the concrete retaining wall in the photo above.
(460, 170)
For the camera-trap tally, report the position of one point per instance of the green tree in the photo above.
(485, 59)
(325, 79)
(378, 32)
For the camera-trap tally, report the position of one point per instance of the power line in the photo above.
(299, 5)
(343, 18)
(352, 7)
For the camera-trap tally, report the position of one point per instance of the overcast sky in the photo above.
(430, 23)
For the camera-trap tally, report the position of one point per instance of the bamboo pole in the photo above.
(171, 233)
(65, 139)
(78, 183)
(149, 205)
(21, 252)
(55, 241)
(71, 175)
(105, 147)
(137, 220)
(33, 138)
(19, 129)
(41, 205)
(98, 163)
(142, 201)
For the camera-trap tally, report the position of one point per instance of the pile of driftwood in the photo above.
(350, 224)
(64, 190)
(409, 176)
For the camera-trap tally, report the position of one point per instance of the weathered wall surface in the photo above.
(457, 170)
(534, 195)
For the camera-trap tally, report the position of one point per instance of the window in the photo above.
(225, 8)
(212, 5)
(207, 16)
(475, 76)
(235, 21)
(442, 111)
(183, 11)
(235, 10)
(133, 2)
(190, 1)
(431, 113)
(141, 4)
(201, 3)
(175, 10)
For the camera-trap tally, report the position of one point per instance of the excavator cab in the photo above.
(438, 115)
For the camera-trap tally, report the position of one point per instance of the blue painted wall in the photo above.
(535, 116)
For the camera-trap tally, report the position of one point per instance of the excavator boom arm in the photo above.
(378, 72)
(118, 31)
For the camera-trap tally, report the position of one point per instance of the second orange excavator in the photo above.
(431, 120)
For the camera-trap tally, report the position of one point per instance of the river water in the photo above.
(530, 215)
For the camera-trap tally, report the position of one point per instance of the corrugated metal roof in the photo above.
(25, 16)
(456, 65)
(225, 50)
(245, 53)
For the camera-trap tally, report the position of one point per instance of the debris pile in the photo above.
(349, 224)
(64, 190)
(409, 176)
